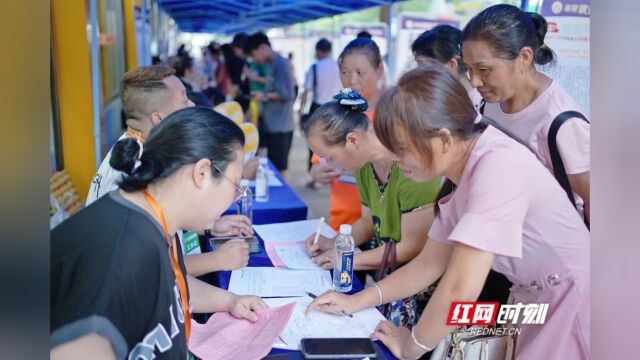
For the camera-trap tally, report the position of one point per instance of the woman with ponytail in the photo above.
(501, 47)
(118, 282)
(500, 210)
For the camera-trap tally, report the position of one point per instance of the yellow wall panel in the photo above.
(73, 71)
(130, 33)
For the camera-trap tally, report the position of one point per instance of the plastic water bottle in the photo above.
(262, 181)
(343, 266)
(245, 203)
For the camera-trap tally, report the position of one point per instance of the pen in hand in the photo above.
(313, 296)
(315, 240)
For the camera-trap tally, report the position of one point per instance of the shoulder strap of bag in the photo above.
(315, 81)
(558, 166)
(388, 260)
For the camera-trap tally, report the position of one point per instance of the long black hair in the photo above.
(183, 138)
(507, 29)
(441, 43)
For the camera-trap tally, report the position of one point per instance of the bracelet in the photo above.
(418, 344)
(379, 293)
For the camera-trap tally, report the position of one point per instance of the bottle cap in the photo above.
(345, 229)
(263, 161)
(244, 182)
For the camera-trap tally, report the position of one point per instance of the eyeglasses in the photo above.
(240, 190)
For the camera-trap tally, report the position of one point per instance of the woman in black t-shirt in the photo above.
(118, 282)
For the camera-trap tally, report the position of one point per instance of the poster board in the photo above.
(568, 36)
(412, 26)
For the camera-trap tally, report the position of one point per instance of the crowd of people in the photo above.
(450, 179)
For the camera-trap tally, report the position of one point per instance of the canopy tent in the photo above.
(233, 16)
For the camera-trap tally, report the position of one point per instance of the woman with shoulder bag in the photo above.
(499, 209)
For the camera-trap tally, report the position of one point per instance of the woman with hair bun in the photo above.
(500, 47)
(118, 281)
(397, 212)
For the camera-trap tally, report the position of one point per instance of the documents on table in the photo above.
(294, 257)
(227, 337)
(273, 180)
(270, 248)
(294, 231)
(272, 282)
(285, 242)
(320, 324)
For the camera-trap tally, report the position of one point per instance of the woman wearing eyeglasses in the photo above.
(118, 282)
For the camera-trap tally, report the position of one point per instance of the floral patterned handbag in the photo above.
(405, 312)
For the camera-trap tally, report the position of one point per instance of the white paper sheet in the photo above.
(295, 257)
(292, 231)
(272, 282)
(319, 324)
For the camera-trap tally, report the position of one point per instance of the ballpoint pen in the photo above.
(315, 239)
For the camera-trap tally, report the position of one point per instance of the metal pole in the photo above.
(144, 46)
(96, 90)
(524, 5)
(391, 65)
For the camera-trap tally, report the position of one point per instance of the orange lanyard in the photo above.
(135, 134)
(182, 285)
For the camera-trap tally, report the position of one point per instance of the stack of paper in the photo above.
(272, 282)
(227, 337)
(320, 324)
(294, 231)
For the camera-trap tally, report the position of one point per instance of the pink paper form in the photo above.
(270, 248)
(227, 337)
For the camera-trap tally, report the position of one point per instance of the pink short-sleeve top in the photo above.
(508, 204)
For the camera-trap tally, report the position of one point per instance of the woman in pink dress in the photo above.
(499, 209)
(500, 47)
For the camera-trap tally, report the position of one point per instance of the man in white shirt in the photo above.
(323, 81)
(326, 82)
(149, 94)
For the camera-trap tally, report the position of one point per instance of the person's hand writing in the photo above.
(324, 243)
(325, 259)
(332, 302)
